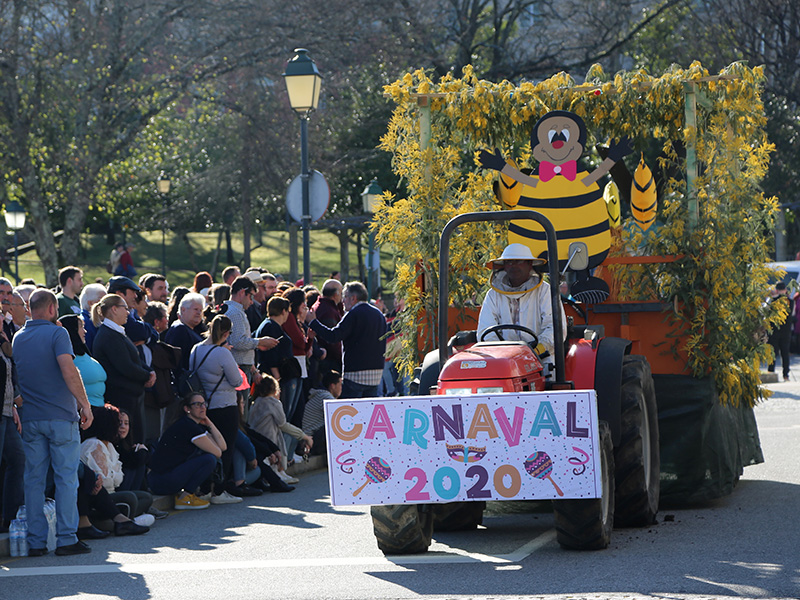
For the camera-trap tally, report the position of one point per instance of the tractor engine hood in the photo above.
(492, 360)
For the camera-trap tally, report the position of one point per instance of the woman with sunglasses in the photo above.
(186, 455)
(126, 376)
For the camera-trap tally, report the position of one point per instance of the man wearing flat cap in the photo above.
(256, 312)
(519, 296)
(137, 330)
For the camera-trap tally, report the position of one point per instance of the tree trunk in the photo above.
(245, 223)
(781, 245)
(215, 261)
(360, 256)
(344, 254)
(187, 242)
(75, 213)
(42, 230)
(228, 247)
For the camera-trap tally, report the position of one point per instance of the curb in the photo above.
(314, 463)
(767, 377)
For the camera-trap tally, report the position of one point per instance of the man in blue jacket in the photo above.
(362, 332)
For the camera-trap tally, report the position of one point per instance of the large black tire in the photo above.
(458, 516)
(587, 524)
(402, 528)
(637, 458)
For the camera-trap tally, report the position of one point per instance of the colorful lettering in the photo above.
(442, 420)
(511, 431)
(545, 419)
(482, 421)
(438, 483)
(336, 424)
(379, 422)
(572, 427)
(416, 424)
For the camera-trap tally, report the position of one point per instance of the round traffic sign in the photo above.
(319, 196)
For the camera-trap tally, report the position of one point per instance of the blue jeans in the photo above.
(291, 392)
(14, 458)
(51, 443)
(351, 389)
(240, 471)
(187, 476)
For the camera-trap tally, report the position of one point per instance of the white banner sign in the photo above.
(426, 449)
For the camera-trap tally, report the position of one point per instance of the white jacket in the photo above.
(103, 459)
(528, 305)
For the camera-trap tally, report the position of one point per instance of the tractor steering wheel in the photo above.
(497, 328)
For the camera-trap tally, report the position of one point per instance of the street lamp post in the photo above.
(369, 198)
(303, 84)
(15, 220)
(163, 184)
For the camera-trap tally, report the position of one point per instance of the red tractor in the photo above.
(626, 404)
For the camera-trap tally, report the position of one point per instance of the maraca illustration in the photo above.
(377, 470)
(540, 465)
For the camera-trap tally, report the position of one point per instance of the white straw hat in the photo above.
(515, 252)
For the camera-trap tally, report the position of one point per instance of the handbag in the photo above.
(290, 368)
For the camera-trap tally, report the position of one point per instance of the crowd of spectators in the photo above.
(207, 393)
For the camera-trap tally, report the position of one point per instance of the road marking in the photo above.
(452, 556)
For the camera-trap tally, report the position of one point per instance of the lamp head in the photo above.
(163, 184)
(15, 215)
(303, 82)
(370, 196)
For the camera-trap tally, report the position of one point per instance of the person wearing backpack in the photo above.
(219, 376)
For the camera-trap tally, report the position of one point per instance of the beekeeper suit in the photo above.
(519, 296)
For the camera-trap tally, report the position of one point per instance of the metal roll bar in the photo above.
(552, 265)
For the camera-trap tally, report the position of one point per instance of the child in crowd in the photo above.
(267, 418)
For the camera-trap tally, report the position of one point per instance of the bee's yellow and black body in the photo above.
(577, 212)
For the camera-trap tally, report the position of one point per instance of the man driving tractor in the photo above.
(519, 296)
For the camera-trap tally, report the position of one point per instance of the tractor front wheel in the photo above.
(587, 524)
(402, 528)
(636, 458)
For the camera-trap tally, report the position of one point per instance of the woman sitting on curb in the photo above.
(93, 498)
(99, 454)
(186, 455)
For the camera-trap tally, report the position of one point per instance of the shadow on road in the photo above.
(741, 545)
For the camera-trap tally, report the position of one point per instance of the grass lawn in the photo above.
(270, 251)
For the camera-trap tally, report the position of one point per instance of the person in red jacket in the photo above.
(125, 266)
(292, 381)
(329, 312)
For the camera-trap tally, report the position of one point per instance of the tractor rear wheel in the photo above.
(587, 524)
(637, 458)
(402, 528)
(458, 516)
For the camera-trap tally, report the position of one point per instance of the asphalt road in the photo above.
(297, 546)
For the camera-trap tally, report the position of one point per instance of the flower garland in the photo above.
(721, 280)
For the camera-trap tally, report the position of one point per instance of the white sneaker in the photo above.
(225, 498)
(287, 478)
(145, 520)
(205, 497)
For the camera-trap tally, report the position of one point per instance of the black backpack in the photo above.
(189, 381)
